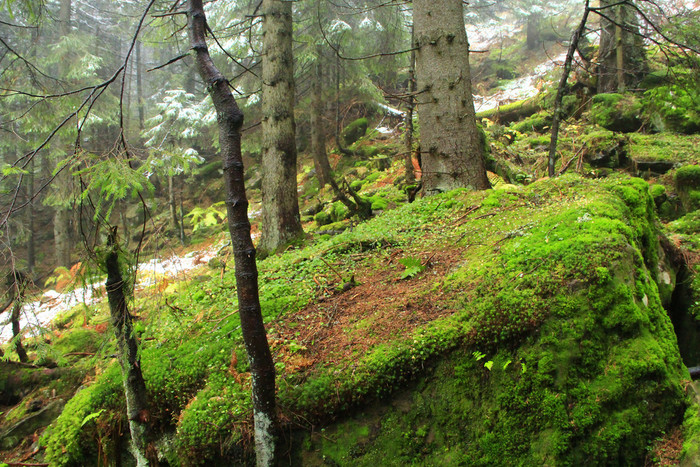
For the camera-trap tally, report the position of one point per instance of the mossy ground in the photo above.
(550, 282)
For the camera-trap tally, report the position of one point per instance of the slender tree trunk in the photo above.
(230, 120)
(556, 118)
(174, 224)
(410, 106)
(281, 221)
(31, 246)
(134, 385)
(619, 49)
(318, 134)
(139, 85)
(62, 215)
(453, 155)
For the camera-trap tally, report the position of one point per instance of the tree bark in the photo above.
(410, 106)
(230, 120)
(62, 215)
(174, 224)
(281, 221)
(453, 154)
(134, 385)
(556, 118)
(139, 85)
(318, 134)
(621, 60)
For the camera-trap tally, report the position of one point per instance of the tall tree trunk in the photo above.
(62, 215)
(230, 120)
(318, 134)
(139, 85)
(621, 58)
(556, 119)
(449, 135)
(281, 221)
(31, 246)
(134, 385)
(410, 106)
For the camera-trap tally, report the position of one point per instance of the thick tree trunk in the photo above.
(453, 154)
(575, 37)
(318, 134)
(621, 60)
(280, 206)
(134, 385)
(230, 119)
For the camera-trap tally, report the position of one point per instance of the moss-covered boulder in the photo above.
(687, 179)
(617, 112)
(354, 131)
(533, 335)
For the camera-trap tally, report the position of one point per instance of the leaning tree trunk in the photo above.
(453, 155)
(318, 135)
(556, 118)
(134, 385)
(280, 206)
(230, 119)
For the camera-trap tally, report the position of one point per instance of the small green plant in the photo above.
(206, 217)
(413, 266)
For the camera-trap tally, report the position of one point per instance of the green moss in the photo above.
(322, 218)
(679, 149)
(617, 112)
(688, 177)
(68, 441)
(78, 340)
(379, 202)
(354, 131)
(535, 123)
(538, 141)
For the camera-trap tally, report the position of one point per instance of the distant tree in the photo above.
(621, 56)
(452, 151)
(281, 221)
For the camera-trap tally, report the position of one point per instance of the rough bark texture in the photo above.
(573, 45)
(230, 120)
(280, 207)
(318, 133)
(621, 52)
(453, 154)
(134, 385)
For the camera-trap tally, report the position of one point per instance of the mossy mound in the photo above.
(354, 131)
(617, 112)
(534, 335)
(566, 358)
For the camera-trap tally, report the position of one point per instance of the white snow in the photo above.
(37, 315)
(520, 88)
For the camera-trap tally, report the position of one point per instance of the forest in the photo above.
(333, 232)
